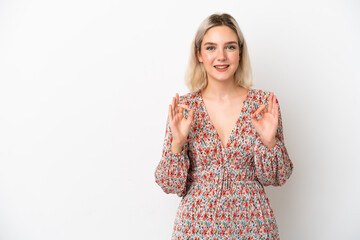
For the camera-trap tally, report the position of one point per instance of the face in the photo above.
(220, 53)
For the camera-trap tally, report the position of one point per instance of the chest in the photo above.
(224, 117)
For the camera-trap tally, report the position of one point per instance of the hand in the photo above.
(266, 126)
(179, 125)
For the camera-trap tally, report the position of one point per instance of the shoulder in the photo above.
(259, 96)
(189, 98)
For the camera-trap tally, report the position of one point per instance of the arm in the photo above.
(171, 172)
(272, 165)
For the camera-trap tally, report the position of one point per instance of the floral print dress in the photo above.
(222, 187)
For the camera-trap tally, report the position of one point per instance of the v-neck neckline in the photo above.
(213, 126)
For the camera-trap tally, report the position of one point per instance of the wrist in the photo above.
(177, 147)
(178, 142)
(269, 143)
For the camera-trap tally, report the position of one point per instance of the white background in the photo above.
(85, 88)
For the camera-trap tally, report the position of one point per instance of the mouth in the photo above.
(221, 68)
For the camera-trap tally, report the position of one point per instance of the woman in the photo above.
(223, 142)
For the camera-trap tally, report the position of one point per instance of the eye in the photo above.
(231, 47)
(210, 48)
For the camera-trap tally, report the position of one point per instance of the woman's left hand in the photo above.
(266, 126)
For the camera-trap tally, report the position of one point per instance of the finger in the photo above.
(270, 102)
(177, 98)
(176, 103)
(177, 109)
(276, 110)
(191, 114)
(181, 111)
(173, 106)
(170, 113)
(190, 117)
(253, 116)
(260, 109)
(275, 106)
(266, 109)
(184, 106)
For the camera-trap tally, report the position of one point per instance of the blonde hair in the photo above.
(195, 76)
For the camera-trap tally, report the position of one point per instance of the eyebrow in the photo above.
(211, 43)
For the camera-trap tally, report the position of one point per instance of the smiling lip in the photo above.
(221, 68)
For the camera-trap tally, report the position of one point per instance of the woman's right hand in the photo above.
(179, 125)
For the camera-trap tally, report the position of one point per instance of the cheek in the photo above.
(234, 57)
(208, 58)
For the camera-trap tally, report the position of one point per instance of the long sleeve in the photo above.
(272, 165)
(172, 170)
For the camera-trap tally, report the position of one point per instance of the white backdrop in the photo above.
(85, 88)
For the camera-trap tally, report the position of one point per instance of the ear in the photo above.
(198, 54)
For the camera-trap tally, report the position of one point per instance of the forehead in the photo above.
(220, 34)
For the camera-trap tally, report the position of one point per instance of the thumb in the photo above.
(191, 114)
(254, 117)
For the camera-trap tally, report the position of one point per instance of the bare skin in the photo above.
(266, 126)
(222, 97)
(179, 125)
(224, 112)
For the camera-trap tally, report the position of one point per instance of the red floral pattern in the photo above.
(222, 187)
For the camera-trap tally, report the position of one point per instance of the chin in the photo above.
(224, 78)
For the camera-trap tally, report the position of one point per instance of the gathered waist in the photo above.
(226, 181)
(225, 188)
(224, 174)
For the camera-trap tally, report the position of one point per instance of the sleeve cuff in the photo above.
(263, 149)
(177, 155)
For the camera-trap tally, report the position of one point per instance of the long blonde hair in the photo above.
(195, 76)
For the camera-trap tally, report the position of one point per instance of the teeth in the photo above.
(221, 67)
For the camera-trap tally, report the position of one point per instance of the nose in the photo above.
(221, 56)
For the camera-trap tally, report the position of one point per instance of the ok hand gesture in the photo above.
(266, 126)
(179, 125)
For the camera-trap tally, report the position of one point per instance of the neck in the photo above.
(221, 90)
